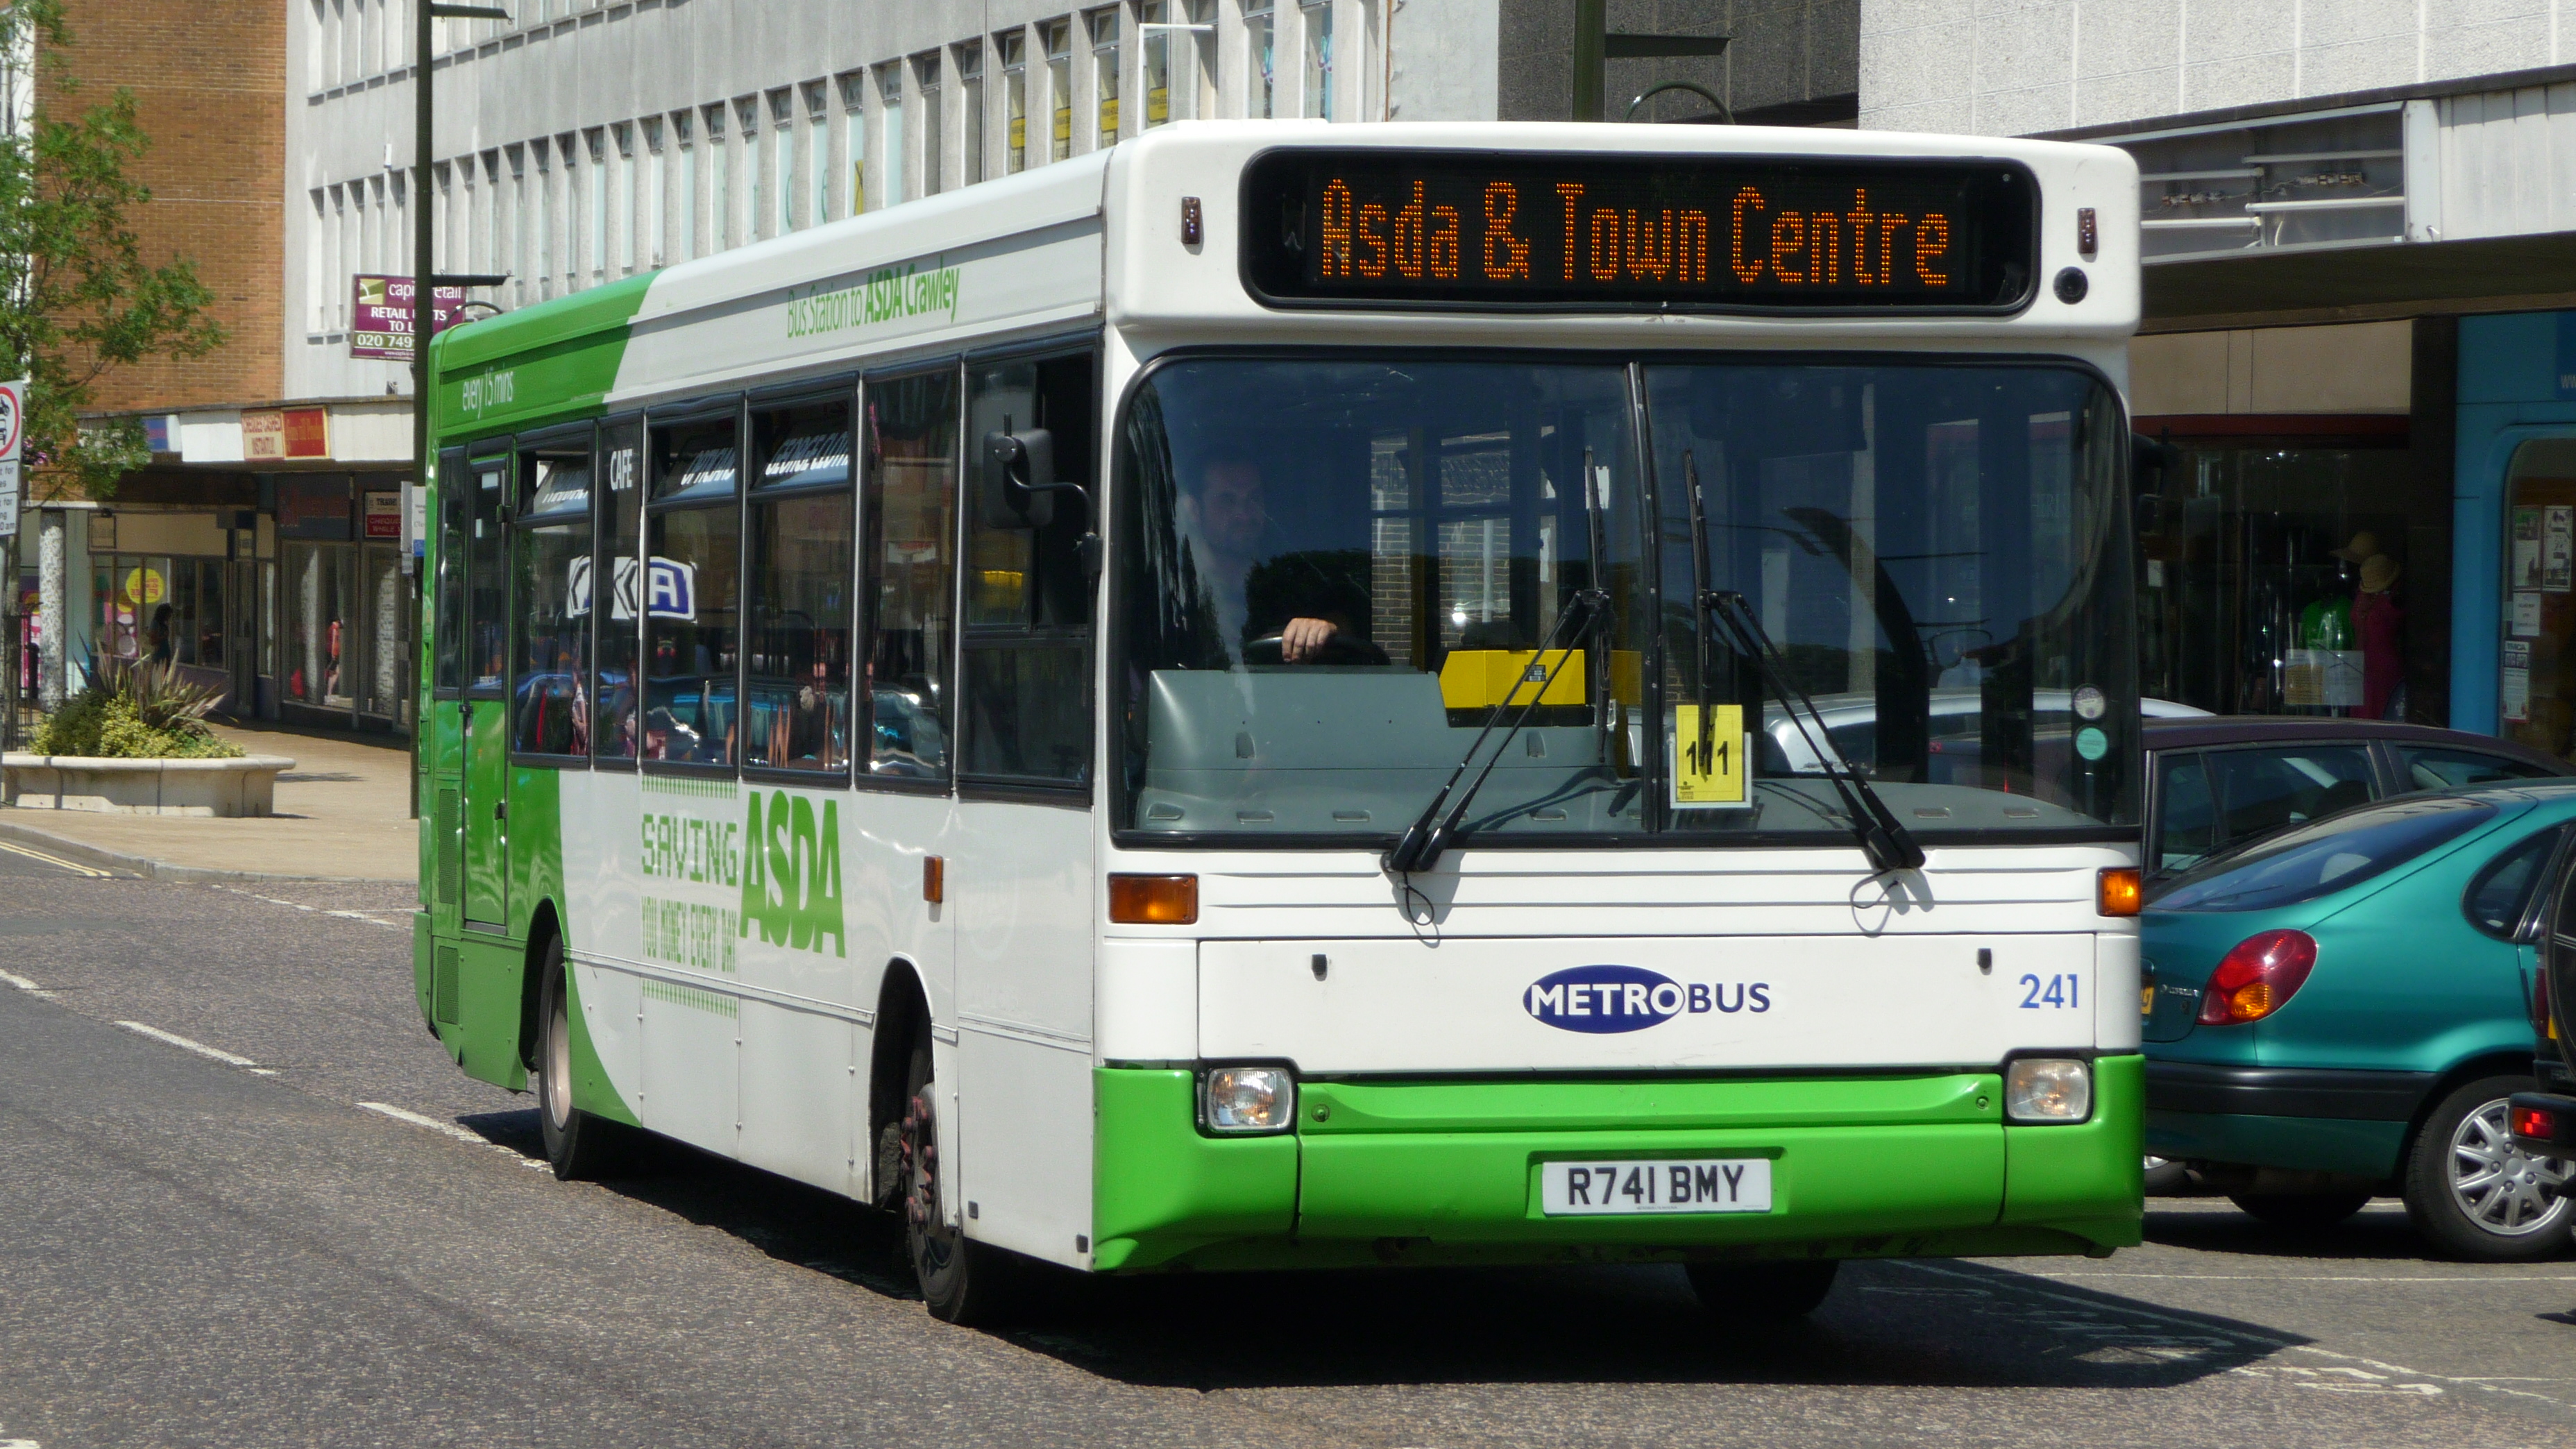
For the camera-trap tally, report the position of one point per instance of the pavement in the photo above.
(247, 1201)
(343, 813)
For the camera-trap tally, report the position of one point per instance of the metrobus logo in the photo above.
(1609, 998)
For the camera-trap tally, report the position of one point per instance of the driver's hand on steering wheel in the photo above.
(1303, 638)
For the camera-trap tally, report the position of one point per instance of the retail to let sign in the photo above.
(13, 432)
(380, 316)
(277, 434)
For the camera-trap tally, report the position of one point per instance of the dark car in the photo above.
(2219, 780)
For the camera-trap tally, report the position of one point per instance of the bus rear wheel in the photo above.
(578, 1144)
(1762, 1293)
(962, 1281)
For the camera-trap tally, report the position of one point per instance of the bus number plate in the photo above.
(1701, 1185)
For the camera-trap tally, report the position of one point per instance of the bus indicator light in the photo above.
(1154, 900)
(2118, 891)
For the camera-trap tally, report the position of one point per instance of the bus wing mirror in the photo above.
(1018, 484)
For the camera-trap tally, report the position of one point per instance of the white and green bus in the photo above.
(1289, 696)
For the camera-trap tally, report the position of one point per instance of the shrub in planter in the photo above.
(136, 710)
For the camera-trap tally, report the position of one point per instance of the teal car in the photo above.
(2343, 1009)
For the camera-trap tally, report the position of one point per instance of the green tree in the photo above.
(77, 297)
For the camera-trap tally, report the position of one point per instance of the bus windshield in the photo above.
(1332, 569)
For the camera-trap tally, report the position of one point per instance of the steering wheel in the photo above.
(1337, 648)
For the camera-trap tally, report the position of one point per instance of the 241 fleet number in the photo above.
(2054, 991)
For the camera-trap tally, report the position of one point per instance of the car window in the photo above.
(2330, 855)
(2260, 791)
(2186, 812)
(2432, 768)
(2497, 899)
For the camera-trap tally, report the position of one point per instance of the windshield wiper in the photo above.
(1432, 832)
(1883, 838)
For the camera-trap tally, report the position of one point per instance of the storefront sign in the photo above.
(313, 508)
(277, 434)
(381, 316)
(13, 432)
(384, 517)
(143, 587)
(2517, 682)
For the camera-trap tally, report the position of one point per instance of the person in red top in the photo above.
(2379, 622)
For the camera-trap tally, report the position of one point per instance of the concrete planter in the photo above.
(246, 786)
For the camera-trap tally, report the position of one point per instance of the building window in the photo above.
(719, 188)
(782, 151)
(1259, 36)
(595, 245)
(629, 209)
(890, 102)
(542, 222)
(317, 264)
(649, 247)
(970, 102)
(1319, 60)
(934, 136)
(854, 137)
(818, 159)
(1152, 28)
(755, 185)
(684, 177)
(1015, 102)
(1104, 73)
(1059, 49)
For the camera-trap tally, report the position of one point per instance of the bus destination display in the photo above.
(1667, 233)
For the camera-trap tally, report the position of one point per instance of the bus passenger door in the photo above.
(486, 706)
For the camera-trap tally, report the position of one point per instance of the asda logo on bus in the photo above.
(784, 859)
(889, 294)
(1610, 998)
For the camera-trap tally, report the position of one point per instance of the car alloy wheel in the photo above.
(2498, 1186)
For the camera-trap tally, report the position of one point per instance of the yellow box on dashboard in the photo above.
(1483, 678)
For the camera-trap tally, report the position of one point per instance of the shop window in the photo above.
(1028, 593)
(691, 593)
(616, 588)
(321, 583)
(911, 526)
(552, 562)
(2538, 680)
(796, 703)
(2259, 592)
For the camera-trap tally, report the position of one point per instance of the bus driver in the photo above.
(1257, 590)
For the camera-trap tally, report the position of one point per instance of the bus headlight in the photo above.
(2048, 1089)
(1240, 1101)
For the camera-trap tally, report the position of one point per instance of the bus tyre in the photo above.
(962, 1281)
(2301, 1211)
(2473, 1194)
(577, 1143)
(1762, 1292)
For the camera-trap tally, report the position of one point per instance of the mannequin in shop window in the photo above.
(2379, 622)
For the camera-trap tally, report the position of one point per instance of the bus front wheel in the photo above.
(962, 1281)
(1762, 1293)
(578, 1144)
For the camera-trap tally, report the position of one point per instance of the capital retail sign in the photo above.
(13, 433)
(380, 316)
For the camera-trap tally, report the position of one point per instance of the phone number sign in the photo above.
(380, 316)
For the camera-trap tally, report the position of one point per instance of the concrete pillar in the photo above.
(53, 598)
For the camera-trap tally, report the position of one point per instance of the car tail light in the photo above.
(2257, 978)
(2538, 1123)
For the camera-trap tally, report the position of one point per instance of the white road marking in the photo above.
(184, 1044)
(370, 919)
(2091, 1312)
(2487, 1282)
(75, 867)
(32, 989)
(450, 1129)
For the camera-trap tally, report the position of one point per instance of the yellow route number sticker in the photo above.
(1714, 776)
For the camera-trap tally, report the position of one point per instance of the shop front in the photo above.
(2513, 656)
(343, 601)
(2295, 541)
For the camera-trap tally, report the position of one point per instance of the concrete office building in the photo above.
(2360, 242)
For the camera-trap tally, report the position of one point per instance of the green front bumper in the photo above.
(1446, 1172)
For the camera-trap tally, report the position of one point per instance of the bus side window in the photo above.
(1028, 598)
(692, 591)
(616, 584)
(455, 498)
(551, 556)
(487, 584)
(908, 592)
